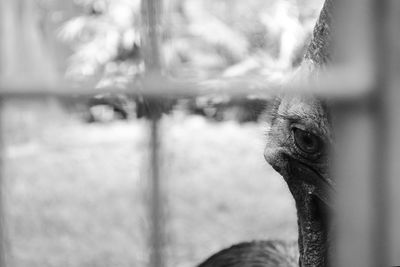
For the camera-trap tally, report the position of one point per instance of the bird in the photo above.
(298, 145)
(250, 254)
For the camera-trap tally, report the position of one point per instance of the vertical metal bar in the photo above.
(151, 29)
(2, 6)
(2, 215)
(156, 213)
(391, 103)
(354, 173)
(380, 193)
(2, 229)
(362, 166)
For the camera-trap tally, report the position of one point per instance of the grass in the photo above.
(75, 193)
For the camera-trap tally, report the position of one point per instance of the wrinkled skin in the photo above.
(305, 172)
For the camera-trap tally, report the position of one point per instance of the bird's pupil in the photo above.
(308, 141)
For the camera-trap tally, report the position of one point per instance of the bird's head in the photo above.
(299, 141)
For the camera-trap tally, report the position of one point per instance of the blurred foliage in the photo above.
(201, 39)
(233, 37)
(105, 39)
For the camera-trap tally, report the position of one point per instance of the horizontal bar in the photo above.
(339, 83)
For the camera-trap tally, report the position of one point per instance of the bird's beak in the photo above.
(319, 185)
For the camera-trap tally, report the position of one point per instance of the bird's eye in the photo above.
(306, 141)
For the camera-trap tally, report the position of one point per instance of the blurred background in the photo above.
(75, 169)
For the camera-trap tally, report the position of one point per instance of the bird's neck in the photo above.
(312, 232)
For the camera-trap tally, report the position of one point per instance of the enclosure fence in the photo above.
(365, 86)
